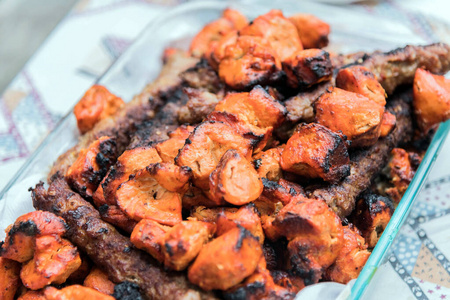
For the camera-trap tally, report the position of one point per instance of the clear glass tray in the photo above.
(351, 31)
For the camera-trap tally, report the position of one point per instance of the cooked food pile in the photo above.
(256, 164)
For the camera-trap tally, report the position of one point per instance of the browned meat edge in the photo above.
(366, 164)
(143, 107)
(108, 248)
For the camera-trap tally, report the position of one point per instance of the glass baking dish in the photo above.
(351, 31)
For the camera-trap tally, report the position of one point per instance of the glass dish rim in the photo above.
(401, 212)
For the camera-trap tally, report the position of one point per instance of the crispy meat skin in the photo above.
(366, 164)
(110, 250)
(122, 124)
(391, 69)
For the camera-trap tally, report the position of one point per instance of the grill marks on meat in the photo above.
(110, 250)
(366, 164)
(144, 106)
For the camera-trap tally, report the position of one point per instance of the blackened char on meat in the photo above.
(110, 250)
(366, 164)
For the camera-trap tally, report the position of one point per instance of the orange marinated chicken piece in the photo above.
(235, 180)
(128, 163)
(235, 256)
(316, 151)
(153, 193)
(214, 31)
(82, 272)
(148, 235)
(387, 123)
(312, 31)
(307, 68)
(91, 166)
(315, 236)
(351, 259)
(168, 149)
(246, 61)
(401, 173)
(278, 31)
(257, 108)
(183, 242)
(287, 280)
(431, 99)
(9, 278)
(205, 147)
(246, 216)
(360, 80)
(20, 239)
(371, 215)
(98, 280)
(54, 260)
(32, 295)
(75, 292)
(354, 115)
(267, 164)
(259, 285)
(97, 104)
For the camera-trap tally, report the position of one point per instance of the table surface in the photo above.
(68, 63)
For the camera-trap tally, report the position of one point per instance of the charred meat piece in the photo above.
(128, 163)
(20, 239)
(267, 163)
(315, 236)
(115, 216)
(122, 125)
(92, 164)
(354, 115)
(312, 31)
(53, 262)
(398, 67)
(234, 180)
(153, 193)
(96, 104)
(287, 280)
(248, 61)
(183, 242)
(200, 104)
(360, 80)
(401, 172)
(257, 113)
(214, 31)
(246, 216)
(9, 278)
(351, 259)
(111, 251)
(202, 77)
(168, 149)
(431, 99)
(148, 235)
(307, 68)
(236, 255)
(278, 31)
(74, 292)
(366, 164)
(205, 147)
(315, 151)
(259, 285)
(371, 216)
(98, 280)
